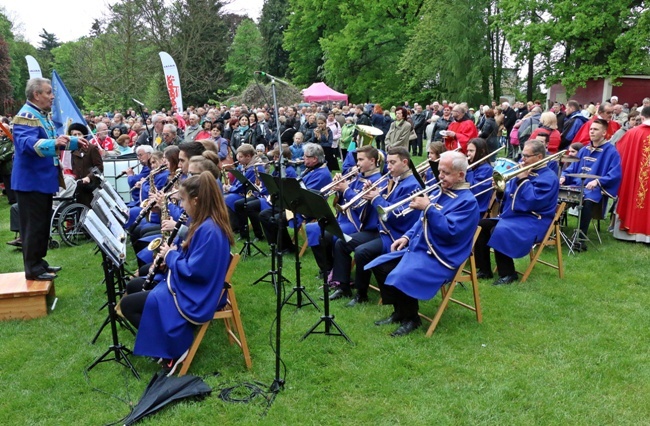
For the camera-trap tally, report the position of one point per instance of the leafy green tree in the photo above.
(578, 41)
(310, 22)
(244, 54)
(18, 49)
(449, 54)
(361, 58)
(273, 21)
(6, 89)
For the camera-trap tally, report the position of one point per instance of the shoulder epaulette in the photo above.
(26, 119)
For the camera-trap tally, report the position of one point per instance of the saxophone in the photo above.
(152, 185)
(164, 215)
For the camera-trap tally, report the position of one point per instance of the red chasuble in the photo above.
(633, 196)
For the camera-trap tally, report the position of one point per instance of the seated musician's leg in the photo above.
(585, 220)
(505, 268)
(135, 285)
(389, 293)
(324, 253)
(132, 307)
(482, 250)
(363, 255)
(268, 222)
(406, 308)
(254, 216)
(343, 262)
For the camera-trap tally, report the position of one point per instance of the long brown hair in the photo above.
(210, 204)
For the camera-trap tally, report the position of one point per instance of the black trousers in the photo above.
(35, 211)
(587, 213)
(366, 246)
(252, 212)
(406, 307)
(505, 264)
(132, 305)
(271, 224)
(14, 218)
(324, 253)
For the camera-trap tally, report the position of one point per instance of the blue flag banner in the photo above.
(64, 110)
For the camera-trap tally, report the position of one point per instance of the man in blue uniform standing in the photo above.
(36, 175)
(428, 254)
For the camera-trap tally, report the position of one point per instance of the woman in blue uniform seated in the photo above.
(479, 173)
(191, 292)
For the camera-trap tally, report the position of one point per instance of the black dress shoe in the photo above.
(508, 279)
(18, 242)
(45, 276)
(481, 275)
(340, 293)
(54, 269)
(406, 328)
(357, 299)
(392, 319)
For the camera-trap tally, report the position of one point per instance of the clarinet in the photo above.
(159, 259)
(145, 211)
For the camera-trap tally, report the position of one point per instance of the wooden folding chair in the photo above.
(551, 238)
(303, 233)
(232, 320)
(447, 290)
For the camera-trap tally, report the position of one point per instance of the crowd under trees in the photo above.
(381, 51)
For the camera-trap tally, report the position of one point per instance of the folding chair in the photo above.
(552, 238)
(447, 290)
(232, 320)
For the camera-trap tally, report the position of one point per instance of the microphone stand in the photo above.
(144, 120)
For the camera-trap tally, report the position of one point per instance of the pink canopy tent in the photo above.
(320, 92)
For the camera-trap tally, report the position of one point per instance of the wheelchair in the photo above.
(66, 222)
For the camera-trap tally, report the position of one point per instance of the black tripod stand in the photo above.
(247, 186)
(272, 276)
(115, 352)
(312, 204)
(118, 288)
(294, 199)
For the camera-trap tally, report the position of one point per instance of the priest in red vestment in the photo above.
(605, 112)
(460, 131)
(633, 209)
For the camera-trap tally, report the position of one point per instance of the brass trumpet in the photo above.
(384, 212)
(328, 190)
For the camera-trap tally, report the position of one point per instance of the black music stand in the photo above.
(113, 254)
(273, 188)
(579, 237)
(293, 200)
(112, 224)
(247, 186)
(312, 204)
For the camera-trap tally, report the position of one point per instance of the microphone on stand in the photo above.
(137, 102)
(262, 73)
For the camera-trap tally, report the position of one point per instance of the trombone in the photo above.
(476, 163)
(328, 190)
(500, 180)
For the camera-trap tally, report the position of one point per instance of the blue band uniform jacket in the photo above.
(439, 242)
(603, 161)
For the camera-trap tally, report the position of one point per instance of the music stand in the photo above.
(312, 204)
(247, 185)
(580, 237)
(272, 186)
(292, 199)
(113, 255)
(111, 223)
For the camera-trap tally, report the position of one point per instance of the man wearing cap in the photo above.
(36, 174)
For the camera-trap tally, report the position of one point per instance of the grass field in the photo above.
(549, 352)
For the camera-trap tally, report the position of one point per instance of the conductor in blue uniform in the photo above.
(430, 252)
(36, 175)
(527, 210)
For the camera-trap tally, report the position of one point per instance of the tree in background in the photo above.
(578, 41)
(18, 49)
(244, 55)
(310, 21)
(273, 21)
(6, 89)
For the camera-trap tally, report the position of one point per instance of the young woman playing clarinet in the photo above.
(189, 295)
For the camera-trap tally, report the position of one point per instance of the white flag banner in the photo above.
(33, 67)
(172, 81)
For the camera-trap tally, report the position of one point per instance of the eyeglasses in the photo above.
(529, 155)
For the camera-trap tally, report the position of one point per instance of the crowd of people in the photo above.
(187, 185)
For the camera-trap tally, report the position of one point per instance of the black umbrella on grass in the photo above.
(163, 390)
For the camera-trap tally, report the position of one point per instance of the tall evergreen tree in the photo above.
(273, 21)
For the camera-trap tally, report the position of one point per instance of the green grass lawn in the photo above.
(549, 352)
